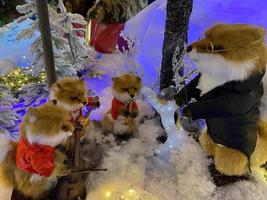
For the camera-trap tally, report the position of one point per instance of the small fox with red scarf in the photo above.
(70, 93)
(122, 117)
(33, 165)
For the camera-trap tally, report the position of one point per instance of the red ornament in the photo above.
(79, 26)
(104, 37)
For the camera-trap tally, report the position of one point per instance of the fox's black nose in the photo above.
(84, 103)
(189, 48)
(132, 95)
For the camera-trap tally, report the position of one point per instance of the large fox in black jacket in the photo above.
(231, 60)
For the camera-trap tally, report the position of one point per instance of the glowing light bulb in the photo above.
(131, 192)
(108, 194)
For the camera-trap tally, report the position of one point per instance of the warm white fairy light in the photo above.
(120, 190)
(108, 194)
(131, 194)
(166, 110)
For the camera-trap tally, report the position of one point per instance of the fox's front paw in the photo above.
(134, 114)
(124, 112)
(64, 170)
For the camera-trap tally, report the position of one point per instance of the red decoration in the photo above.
(104, 37)
(117, 105)
(79, 26)
(90, 103)
(35, 158)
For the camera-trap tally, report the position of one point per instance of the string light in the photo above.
(130, 194)
(120, 190)
(17, 78)
(166, 109)
(108, 194)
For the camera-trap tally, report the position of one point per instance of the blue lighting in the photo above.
(148, 26)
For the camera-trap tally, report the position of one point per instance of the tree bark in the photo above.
(177, 21)
(42, 12)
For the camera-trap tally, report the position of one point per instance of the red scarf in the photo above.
(117, 105)
(35, 158)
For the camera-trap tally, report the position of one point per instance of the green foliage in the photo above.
(8, 11)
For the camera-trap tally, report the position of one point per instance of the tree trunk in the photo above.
(42, 12)
(177, 20)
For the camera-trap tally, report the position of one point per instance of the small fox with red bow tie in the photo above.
(122, 117)
(33, 165)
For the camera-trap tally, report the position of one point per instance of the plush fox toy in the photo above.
(70, 93)
(122, 117)
(33, 165)
(231, 60)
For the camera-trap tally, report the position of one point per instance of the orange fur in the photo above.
(259, 156)
(126, 88)
(237, 42)
(227, 161)
(207, 143)
(230, 161)
(127, 81)
(50, 119)
(46, 121)
(262, 129)
(70, 91)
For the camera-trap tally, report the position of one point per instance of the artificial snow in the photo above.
(133, 165)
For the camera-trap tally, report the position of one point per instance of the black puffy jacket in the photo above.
(231, 111)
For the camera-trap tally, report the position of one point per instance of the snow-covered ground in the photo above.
(132, 166)
(134, 169)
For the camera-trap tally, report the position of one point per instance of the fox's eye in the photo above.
(65, 128)
(218, 48)
(125, 90)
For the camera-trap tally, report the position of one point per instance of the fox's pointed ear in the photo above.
(259, 34)
(32, 114)
(56, 87)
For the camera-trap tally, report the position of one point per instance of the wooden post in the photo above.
(42, 12)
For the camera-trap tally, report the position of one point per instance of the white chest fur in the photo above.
(208, 82)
